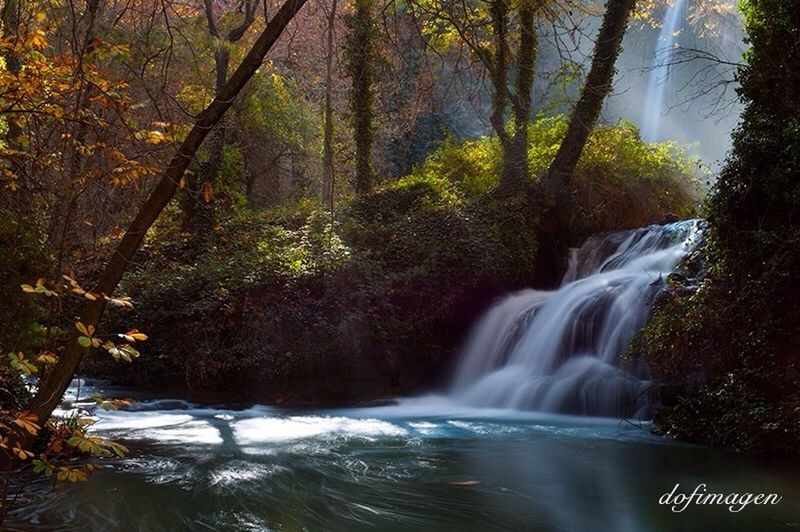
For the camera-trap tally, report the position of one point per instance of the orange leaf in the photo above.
(207, 191)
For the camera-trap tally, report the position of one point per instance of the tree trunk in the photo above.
(68, 232)
(361, 58)
(557, 224)
(198, 206)
(515, 160)
(10, 19)
(598, 84)
(498, 70)
(52, 388)
(327, 143)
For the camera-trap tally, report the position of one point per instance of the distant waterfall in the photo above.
(559, 351)
(656, 85)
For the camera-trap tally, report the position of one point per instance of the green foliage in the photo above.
(470, 167)
(20, 260)
(290, 303)
(273, 111)
(284, 305)
(724, 357)
(737, 333)
(620, 181)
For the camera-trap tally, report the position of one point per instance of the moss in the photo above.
(726, 352)
(282, 306)
(620, 182)
(291, 304)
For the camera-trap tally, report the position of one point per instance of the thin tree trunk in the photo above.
(52, 388)
(498, 70)
(202, 208)
(10, 19)
(328, 169)
(515, 161)
(198, 207)
(77, 163)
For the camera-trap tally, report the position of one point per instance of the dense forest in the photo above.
(310, 204)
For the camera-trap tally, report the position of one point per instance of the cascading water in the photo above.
(559, 351)
(656, 85)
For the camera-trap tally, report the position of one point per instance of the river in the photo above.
(422, 464)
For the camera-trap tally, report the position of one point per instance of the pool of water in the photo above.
(424, 464)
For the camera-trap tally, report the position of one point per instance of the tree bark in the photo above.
(557, 222)
(10, 19)
(598, 84)
(498, 70)
(52, 388)
(77, 162)
(361, 58)
(328, 170)
(515, 160)
(199, 209)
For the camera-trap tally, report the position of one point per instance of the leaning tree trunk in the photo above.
(55, 384)
(557, 222)
(598, 84)
(515, 161)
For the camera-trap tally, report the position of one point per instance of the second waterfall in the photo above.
(559, 351)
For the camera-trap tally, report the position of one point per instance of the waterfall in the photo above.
(559, 351)
(656, 84)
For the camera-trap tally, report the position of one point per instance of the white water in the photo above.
(653, 109)
(559, 351)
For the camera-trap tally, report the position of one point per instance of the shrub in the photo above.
(620, 182)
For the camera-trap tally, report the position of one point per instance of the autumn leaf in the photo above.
(72, 475)
(18, 362)
(46, 357)
(27, 420)
(21, 453)
(120, 301)
(133, 335)
(207, 191)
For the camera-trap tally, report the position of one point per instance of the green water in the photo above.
(421, 465)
